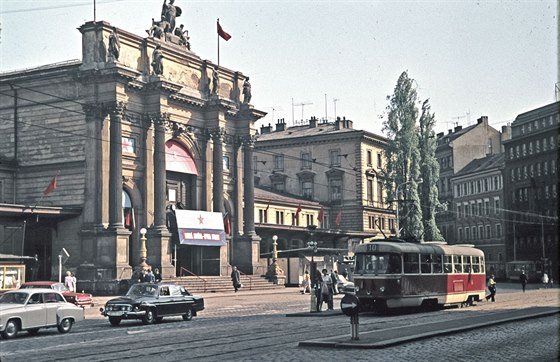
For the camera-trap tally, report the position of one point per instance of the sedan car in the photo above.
(32, 309)
(80, 299)
(150, 302)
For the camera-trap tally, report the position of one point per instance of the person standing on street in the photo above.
(523, 279)
(545, 280)
(157, 275)
(69, 281)
(334, 280)
(235, 279)
(491, 288)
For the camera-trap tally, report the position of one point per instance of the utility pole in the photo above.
(334, 101)
(303, 105)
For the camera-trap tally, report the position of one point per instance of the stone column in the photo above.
(115, 167)
(160, 197)
(217, 170)
(249, 187)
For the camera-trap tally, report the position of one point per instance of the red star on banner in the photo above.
(200, 220)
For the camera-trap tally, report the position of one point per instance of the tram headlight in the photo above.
(381, 289)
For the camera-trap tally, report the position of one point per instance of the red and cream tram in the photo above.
(399, 274)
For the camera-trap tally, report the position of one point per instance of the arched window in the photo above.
(128, 212)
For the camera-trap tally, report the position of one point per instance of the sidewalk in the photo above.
(392, 336)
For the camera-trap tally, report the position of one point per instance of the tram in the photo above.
(394, 273)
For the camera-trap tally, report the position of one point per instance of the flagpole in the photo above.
(218, 34)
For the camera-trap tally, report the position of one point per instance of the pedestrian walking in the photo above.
(523, 279)
(235, 279)
(305, 283)
(317, 282)
(69, 281)
(326, 290)
(491, 288)
(74, 281)
(334, 280)
(545, 280)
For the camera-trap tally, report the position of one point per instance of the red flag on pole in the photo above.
(338, 218)
(296, 216)
(267, 206)
(321, 216)
(222, 33)
(227, 224)
(51, 187)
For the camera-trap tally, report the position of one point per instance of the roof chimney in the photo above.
(313, 122)
(458, 128)
(483, 119)
(337, 123)
(266, 129)
(281, 125)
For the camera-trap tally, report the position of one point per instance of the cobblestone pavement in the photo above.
(251, 326)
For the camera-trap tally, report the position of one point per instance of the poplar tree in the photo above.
(402, 169)
(429, 171)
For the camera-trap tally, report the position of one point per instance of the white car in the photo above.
(32, 309)
(344, 285)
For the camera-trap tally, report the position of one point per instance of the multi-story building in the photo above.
(332, 163)
(125, 135)
(454, 151)
(478, 197)
(531, 188)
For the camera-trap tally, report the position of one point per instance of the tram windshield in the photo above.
(378, 263)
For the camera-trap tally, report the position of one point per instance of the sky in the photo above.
(328, 58)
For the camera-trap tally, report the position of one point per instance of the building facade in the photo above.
(125, 137)
(531, 188)
(478, 195)
(454, 151)
(332, 163)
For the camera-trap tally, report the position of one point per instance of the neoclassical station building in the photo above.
(139, 128)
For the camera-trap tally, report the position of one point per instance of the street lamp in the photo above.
(143, 250)
(274, 248)
(313, 268)
(419, 181)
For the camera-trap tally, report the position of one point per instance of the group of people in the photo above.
(147, 276)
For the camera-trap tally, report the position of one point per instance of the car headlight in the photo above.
(381, 289)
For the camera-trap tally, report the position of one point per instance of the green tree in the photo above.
(402, 169)
(429, 171)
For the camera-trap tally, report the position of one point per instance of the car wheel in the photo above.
(149, 317)
(65, 326)
(188, 315)
(115, 321)
(12, 328)
(33, 331)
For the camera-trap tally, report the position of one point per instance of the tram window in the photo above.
(447, 264)
(436, 264)
(457, 267)
(394, 264)
(466, 263)
(411, 264)
(475, 264)
(425, 263)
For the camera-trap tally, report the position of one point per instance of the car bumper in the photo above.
(125, 315)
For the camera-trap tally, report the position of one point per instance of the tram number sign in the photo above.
(371, 247)
(350, 305)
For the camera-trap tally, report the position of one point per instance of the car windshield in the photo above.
(13, 298)
(142, 290)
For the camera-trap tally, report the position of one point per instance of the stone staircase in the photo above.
(216, 284)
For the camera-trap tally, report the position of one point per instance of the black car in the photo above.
(151, 302)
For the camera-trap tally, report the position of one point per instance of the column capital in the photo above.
(116, 108)
(217, 133)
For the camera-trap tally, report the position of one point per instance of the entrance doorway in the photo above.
(199, 260)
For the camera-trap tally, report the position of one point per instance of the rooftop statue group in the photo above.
(160, 29)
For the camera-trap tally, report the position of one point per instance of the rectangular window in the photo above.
(280, 217)
(379, 161)
(370, 191)
(279, 162)
(334, 157)
(488, 232)
(437, 264)
(226, 162)
(425, 263)
(457, 265)
(306, 161)
(447, 263)
(263, 216)
(335, 186)
(380, 193)
(307, 189)
(498, 230)
(369, 158)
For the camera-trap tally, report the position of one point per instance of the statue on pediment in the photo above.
(169, 12)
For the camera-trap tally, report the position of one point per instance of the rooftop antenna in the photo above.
(557, 91)
(326, 117)
(94, 12)
(292, 111)
(334, 101)
(303, 104)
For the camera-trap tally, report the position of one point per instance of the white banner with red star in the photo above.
(200, 228)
